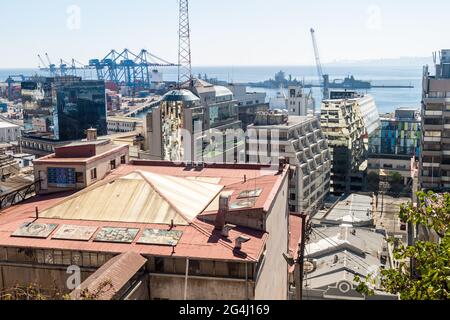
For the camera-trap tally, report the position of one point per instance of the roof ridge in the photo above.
(141, 173)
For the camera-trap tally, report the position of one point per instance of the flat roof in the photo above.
(293, 121)
(198, 239)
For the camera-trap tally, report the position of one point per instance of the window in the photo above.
(94, 174)
(113, 164)
(123, 160)
(194, 267)
(80, 177)
(159, 265)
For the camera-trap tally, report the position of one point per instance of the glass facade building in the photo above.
(79, 106)
(398, 136)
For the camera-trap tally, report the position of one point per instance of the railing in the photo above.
(18, 195)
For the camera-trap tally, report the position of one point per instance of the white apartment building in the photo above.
(299, 102)
(9, 132)
(303, 144)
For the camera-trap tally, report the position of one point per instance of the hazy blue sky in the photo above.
(231, 32)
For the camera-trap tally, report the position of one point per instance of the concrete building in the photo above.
(335, 255)
(119, 124)
(395, 145)
(300, 103)
(9, 132)
(197, 233)
(78, 165)
(303, 144)
(435, 157)
(249, 103)
(348, 120)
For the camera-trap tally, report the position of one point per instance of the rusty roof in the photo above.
(107, 281)
(199, 239)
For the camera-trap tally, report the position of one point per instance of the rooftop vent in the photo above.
(241, 240)
(226, 230)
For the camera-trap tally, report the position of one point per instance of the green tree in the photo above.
(431, 277)
(396, 181)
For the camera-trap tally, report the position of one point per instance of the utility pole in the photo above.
(301, 260)
(184, 45)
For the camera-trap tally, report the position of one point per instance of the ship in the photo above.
(350, 83)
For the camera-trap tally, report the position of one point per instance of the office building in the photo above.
(79, 106)
(435, 157)
(301, 142)
(348, 120)
(395, 144)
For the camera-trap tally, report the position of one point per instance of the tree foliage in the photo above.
(430, 279)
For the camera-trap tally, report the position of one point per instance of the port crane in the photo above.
(128, 68)
(324, 79)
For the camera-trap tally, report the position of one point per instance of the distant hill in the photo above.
(398, 62)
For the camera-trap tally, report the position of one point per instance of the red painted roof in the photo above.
(199, 240)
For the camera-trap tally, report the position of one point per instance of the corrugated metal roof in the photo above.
(140, 197)
(112, 276)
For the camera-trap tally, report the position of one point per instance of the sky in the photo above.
(223, 33)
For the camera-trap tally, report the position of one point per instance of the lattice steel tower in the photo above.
(184, 45)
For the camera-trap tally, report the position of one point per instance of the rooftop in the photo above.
(139, 202)
(340, 253)
(79, 152)
(354, 209)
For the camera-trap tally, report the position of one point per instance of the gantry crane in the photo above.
(324, 79)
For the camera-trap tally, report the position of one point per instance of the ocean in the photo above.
(387, 100)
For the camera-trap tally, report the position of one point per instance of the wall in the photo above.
(46, 277)
(272, 282)
(172, 288)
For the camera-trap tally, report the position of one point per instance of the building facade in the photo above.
(395, 144)
(435, 157)
(348, 120)
(249, 103)
(299, 102)
(302, 143)
(79, 106)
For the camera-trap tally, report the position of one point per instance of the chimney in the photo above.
(224, 205)
(91, 134)
(239, 241)
(281, 164)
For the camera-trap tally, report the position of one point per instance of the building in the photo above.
(63, 108)
(192, 125)
(335, 255)
(78, 165)
(435, 157)
(9, 132)
(395, 144)
(117, 124)
(79, 106)
(203, 232)
(24, 160)
(348, 120)
(357, 210)
(249, 103)
(300, 103)
(302, 143)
